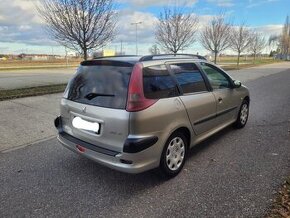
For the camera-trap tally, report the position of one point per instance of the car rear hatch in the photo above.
(93, 108)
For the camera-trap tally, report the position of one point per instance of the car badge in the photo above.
(85, 109)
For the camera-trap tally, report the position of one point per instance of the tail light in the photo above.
(136, 100)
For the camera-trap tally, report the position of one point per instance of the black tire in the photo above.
(243, 115)
(177, 154)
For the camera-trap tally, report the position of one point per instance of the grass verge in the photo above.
(248, 65)
(33, 91)
(36, 68)
(281, 205)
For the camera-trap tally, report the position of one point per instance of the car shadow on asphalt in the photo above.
(116, 181)
(208, 142)
(131, 184)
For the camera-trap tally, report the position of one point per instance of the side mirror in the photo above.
(237, 84)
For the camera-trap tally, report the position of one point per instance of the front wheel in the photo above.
(243, 115)
(173, 155)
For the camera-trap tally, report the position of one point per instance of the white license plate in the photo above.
(79, 123)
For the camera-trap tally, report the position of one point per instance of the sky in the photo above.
(22, 30)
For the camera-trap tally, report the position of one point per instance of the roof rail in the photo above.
(113, 56)
(167, 56)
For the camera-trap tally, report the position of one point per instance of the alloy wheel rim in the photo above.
(175, 153)
(244, 114)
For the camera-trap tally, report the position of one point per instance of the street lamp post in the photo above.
(66, 59)
(136, 28)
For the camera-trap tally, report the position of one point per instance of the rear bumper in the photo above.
(134, 160)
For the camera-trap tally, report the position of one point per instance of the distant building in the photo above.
(106, 53)
(282, 57)
(72, 54)
(3, 59)
(38, 57)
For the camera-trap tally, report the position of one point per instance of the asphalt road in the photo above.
(233, 174)
(15, 79)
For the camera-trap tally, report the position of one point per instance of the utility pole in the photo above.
(66, 58)
(136, 28)
(121, 47)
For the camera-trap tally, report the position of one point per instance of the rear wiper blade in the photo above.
(92, 95)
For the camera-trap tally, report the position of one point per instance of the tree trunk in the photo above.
(85, 51)
(254, 58)
(215, 57)
(238, 62)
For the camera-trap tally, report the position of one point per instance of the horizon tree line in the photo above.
(282, 41)
(217, 36)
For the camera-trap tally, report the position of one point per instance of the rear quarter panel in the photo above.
(161, 120)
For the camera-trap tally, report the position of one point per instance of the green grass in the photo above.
(281, 205)
(35, 67)
(250, 64)
(33, 91)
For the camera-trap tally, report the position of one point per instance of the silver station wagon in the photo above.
(134, 113)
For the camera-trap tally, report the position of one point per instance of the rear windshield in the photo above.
(100, 85)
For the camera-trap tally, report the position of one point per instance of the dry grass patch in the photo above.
(281, 205)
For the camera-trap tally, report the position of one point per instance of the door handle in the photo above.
(220, 100)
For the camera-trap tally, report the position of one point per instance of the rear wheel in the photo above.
(173, 155)
(243, 115)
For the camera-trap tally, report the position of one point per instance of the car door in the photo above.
(199, 102)
(226, 97)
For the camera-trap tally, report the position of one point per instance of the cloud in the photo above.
(222, 3)
(30, 35)
(268, 30)
(18, 12)
(146, 32)
(20, 23)
(127, 31)
(24, 27)
(148, 3)
(253, 4)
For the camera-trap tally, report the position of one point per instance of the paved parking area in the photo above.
(27, 120)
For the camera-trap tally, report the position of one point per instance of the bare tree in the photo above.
(285, 39)
(81, 25)
(176, 30)
(240, 39)
(273, 43)
(154, 50)
(215, 37)
(258, 43)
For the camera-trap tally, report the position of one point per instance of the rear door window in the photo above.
(101, 85)
(158, 83)
(189, 77)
